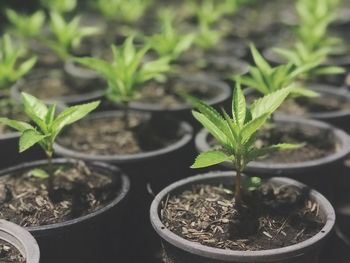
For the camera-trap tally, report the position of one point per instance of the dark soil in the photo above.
(12, 110)
(277, 217)
(324, 103)
(10, 254)
(57, 84)
(107, 136)
(77, 190)
(168, 94)
(316, 143)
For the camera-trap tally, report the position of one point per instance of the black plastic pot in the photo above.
(149, 171)
(69, 99)
(183, 112)
(321, 174)
(92, 238)
(9, 151)
(21, 239)
(179, 250)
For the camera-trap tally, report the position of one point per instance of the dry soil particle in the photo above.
(77, 190)
(9, 254)
(108, 136)
(206, 214)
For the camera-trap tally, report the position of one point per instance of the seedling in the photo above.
(169, 42)
(59, 6)
(300, 56)
(267, 79)
(11, 69)
(207, 37)
(127, 11)
(46, 127)
(67, 36)
(236, 134)
(126, 72)
(26, 26)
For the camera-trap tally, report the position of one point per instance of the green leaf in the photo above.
(17, 125)
(210, 158)
(239, 105)
(269, 103)
(260, 62)
(256, 153)
(71, 115)
(251, 183)
(29, 138)
(39, 173)
(298, 91)
(35, 109)
(253, 126)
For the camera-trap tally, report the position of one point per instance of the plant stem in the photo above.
(126, 115)
(238, 183)
(50, 170)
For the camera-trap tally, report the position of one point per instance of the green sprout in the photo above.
(12, 67)
(169, 42)
(236, 134)
(46, 127)
(126, 72)
(59, 6)
(267, 79)
(67, 36)
(26, 26)
(127, 11)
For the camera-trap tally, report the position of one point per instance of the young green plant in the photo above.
(59, 6)
(67, 36)
(236, 134)
(127, 11)
(46, 127)
(26, 26)
(267, 79)
(11, 67)
(169, 42)
(126, 72)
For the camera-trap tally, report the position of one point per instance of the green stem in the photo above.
(238, 183)
(50, 171)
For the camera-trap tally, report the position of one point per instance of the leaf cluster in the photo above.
(169, 42)
(267, 79)
(59, 6)
(26, 26)
(11, 68)
(47, 125)
(127, 70)
(236, 134)
(127, 11)
(67, 35)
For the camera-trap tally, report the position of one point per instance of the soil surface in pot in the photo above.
(55, 84)
(316, 143)
(168, 94)
(323, 103)
(10, 254)
(108, 136)
(277, 217)
(77, 190)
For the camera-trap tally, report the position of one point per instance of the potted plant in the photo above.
(75, 84)
(72, 204)
(17, 244)
(13, 67)
(219, 217)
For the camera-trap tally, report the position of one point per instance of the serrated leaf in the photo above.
(253, 126)
(210, 158)
(260, 62)
(299, 91)
(29, 138)
(239, 105)
(39, 173)
(17, 125)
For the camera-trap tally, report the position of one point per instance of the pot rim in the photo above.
(228, 255)
(21, 239)
(122, 192)
(69, 99)
(342, 137)
(223, 94)
(185, 128)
